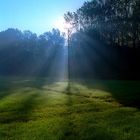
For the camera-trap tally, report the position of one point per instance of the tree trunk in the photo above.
(122, 39)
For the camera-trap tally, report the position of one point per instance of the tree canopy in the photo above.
(106, 41)
(28, 54)
(114, 22)
(105, 44)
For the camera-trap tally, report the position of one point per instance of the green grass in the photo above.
(40, 109)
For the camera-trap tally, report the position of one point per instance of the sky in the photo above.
(35, 15)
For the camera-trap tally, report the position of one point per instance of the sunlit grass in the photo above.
(41, 109)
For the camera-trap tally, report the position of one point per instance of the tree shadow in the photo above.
(126, 93)
(6, 88)
(69, 132)
(22, 111)
(9, 85)
(77, 126)
(27, 89)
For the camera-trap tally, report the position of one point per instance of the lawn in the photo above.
(42, 109)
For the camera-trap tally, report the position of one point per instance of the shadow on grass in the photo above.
(69, 132)
(82, 118)
(8, 85)
(126, 93)
(78, 125)
(5, 89)
(22, 111)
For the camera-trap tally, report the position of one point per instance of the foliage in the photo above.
(26, 53)
(116, 22)
(106, 43)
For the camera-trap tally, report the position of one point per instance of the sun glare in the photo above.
(61, 25)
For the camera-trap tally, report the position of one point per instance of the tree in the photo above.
(115, 22)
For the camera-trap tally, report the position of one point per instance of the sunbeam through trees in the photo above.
(69, 70)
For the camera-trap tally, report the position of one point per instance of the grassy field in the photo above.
(41, 109)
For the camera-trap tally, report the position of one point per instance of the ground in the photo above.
(41, 109)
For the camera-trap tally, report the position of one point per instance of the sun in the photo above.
(61, 24)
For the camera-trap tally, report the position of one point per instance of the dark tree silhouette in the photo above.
(115, 22)
(24, 53)
(106, 43)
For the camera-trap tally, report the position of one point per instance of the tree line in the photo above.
(25, 53)
(103, 43)
(106, 39)
(114, 22)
